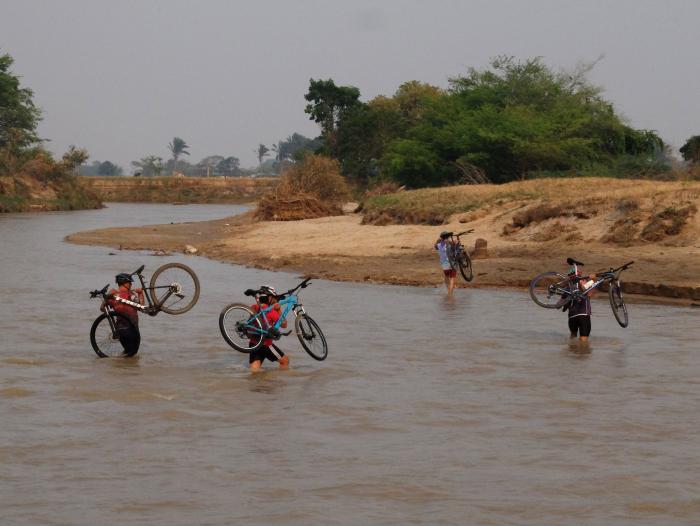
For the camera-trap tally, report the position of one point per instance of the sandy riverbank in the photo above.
(341, 248)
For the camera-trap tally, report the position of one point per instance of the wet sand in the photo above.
(342, 249)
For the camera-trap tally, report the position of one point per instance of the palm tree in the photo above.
(262, 152)
(177, 147)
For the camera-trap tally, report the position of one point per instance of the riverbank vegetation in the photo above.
(30, 178)
(510, 121)
(166, 189)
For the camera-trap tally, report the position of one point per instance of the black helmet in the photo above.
(445, 234)
(123, 277)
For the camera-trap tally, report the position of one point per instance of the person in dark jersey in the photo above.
(130, 337)
(579, 309)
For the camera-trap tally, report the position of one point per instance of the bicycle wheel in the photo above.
(451, 256)
(175, 287)
(550, 290)
(311, 337)
(618, 304)
(122, 339)
(465, 265)
(240, 330)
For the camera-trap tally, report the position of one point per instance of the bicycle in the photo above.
(246, 331)
(553, 290)
(114, 334)
(458, 256)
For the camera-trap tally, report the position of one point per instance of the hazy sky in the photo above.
(121, 78)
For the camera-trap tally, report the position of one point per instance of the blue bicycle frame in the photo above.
(290, 303)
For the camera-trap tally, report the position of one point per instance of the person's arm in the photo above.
(139, 293)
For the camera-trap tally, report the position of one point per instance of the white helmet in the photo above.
(269, 290)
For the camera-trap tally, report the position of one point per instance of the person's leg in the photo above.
(585, 328)
(451, 287)
(573, 327)
(255, 365)
(447, 281)
(255, 359)
(284, 362)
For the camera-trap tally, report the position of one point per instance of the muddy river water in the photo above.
(476, 410)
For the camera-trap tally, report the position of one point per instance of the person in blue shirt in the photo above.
(442, 245)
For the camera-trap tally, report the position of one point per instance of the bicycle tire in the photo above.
(546, 290)
(228, 320)
(123, 341)
(187, 289)
(310, 336)
(617, 304)
(465, 266)
(451, 257)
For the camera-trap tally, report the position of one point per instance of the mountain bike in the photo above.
(173, 289)
(246, 331)
(458, 257)
(553, 290)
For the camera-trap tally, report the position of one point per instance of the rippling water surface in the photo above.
(477, 410)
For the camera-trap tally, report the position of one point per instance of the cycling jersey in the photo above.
(267, 320)
(441, 247)
(122, 308)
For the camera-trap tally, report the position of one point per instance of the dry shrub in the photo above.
(274, 207)
(669, 222)
(397, 216)
(313, 188)
(538, 213)
(623, 232)
(383, 188)
(557, 230)
(316, 175)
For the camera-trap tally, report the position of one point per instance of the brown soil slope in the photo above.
(530, 227)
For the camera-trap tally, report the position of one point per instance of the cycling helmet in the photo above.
(268, 290)
(123, 277)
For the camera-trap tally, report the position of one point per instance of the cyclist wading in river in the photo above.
(450, 274)
(130, 342)
(268, 350)
(579, 309)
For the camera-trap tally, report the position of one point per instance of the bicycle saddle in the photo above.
(572, 261)
(138, 270)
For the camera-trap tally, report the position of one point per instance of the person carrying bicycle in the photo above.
(125, 292)
(442, 245)
(267, 298)
(579, 309)
(130, 337)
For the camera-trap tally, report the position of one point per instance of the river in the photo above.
(476, 410)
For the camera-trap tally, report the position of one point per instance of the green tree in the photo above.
(18, 115)
(108, 168)
(151, 166)
(230, 166)
(177, 148)
(691, 150)
(327, 104)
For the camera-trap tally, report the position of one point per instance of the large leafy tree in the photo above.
(19, 116)
(508, 121)
(108, 168)
(177, 148)
(327, 105)
(691, 150)
(150, 166)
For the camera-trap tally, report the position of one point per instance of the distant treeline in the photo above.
(511, 121)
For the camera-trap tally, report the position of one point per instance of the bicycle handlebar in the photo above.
(465, 232)
(102, 292)
(302, 285)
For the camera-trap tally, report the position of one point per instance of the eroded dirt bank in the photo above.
(341, 248)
